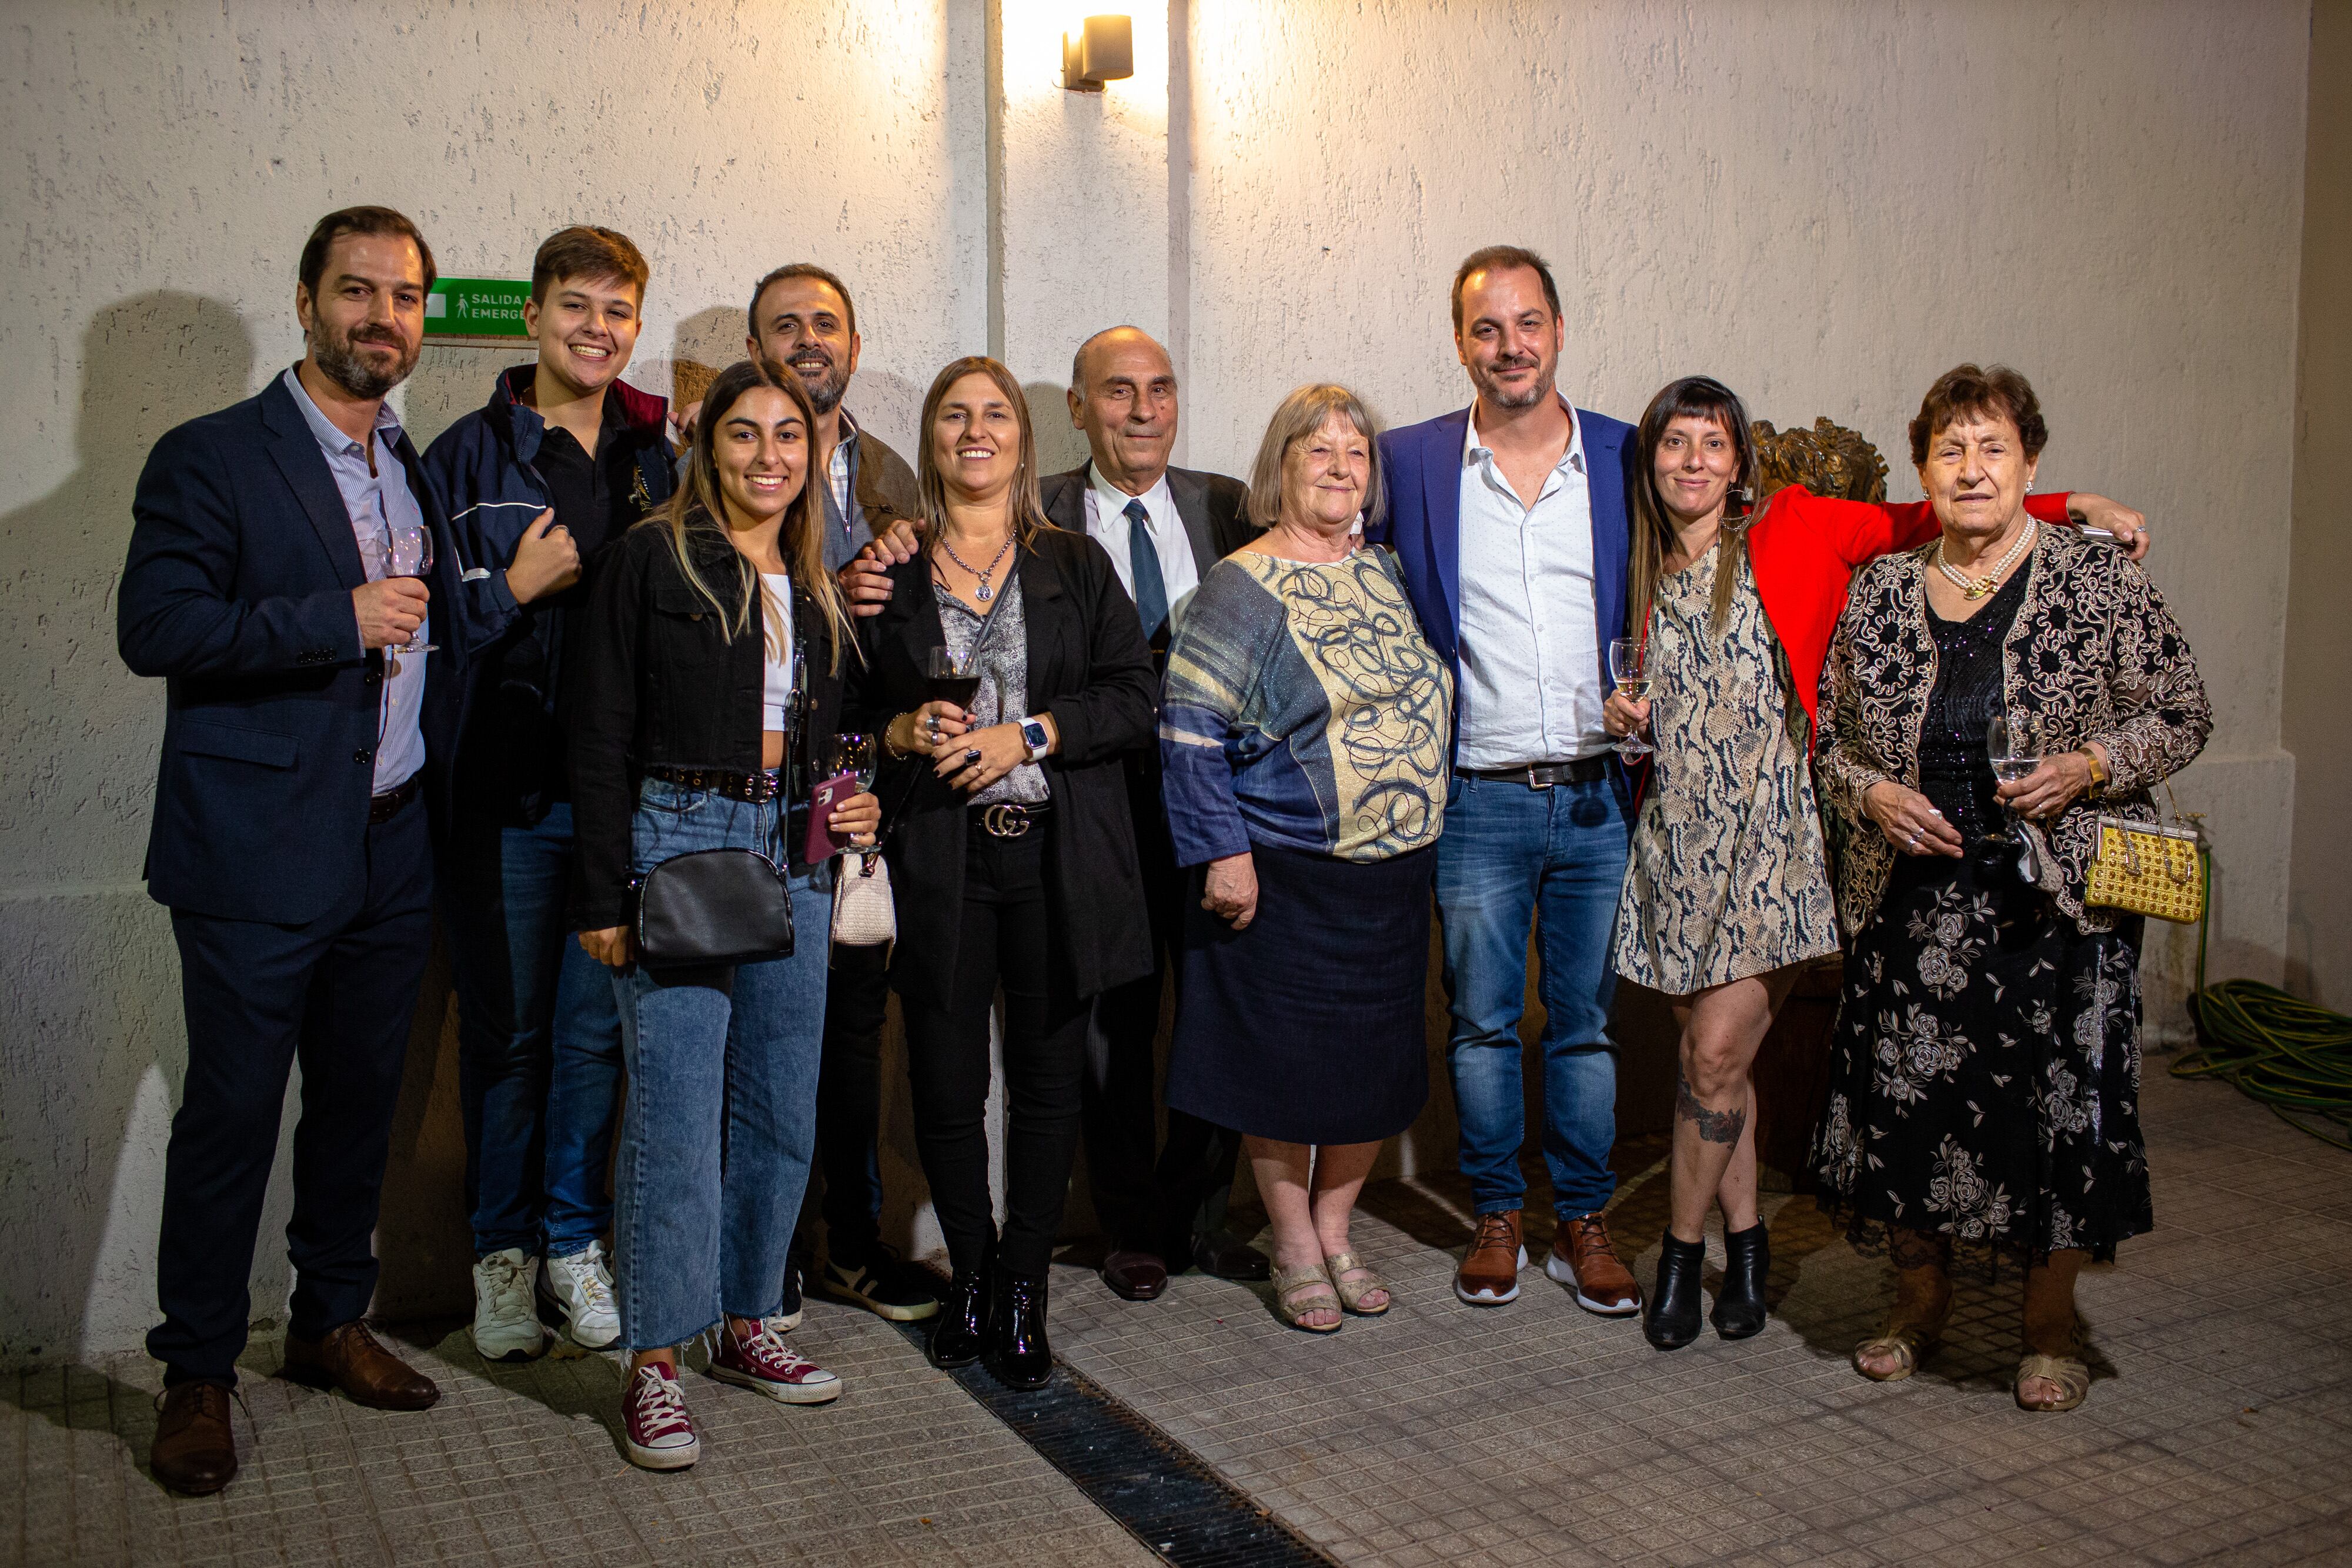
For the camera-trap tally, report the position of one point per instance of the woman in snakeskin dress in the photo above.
(1727, 889)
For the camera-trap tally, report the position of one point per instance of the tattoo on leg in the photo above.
(1714, 1126)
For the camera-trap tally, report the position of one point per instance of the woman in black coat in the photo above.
(1010, 840)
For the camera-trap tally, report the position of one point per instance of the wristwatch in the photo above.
(2098, 773)
(1034, 736)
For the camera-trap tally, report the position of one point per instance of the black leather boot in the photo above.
(1018, 1351)
(960, 1334)
(1672, 1320)
(1739, 1303)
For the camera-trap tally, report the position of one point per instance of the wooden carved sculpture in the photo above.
(1828, 460)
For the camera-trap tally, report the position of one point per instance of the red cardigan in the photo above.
(1805, 549)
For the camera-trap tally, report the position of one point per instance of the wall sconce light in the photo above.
(1097, 50)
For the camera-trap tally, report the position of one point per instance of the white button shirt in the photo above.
(1531, 684)
(1106, 524)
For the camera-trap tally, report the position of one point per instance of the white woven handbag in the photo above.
(865, 914)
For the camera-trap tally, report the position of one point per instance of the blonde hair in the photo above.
(695, 513)
(1301, 414)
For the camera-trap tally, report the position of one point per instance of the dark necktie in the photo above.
(1143, 560)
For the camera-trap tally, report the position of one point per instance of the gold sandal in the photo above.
(2072, 1376)
(1338, 1266)
(1908, 1344)
(1314, 1294)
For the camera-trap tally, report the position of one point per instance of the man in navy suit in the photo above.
(1509, 520)
(274, 581)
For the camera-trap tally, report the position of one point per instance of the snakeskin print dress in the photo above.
(1728, 876)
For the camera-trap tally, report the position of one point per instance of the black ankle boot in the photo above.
(1739, 1303)
(1018, 1351)
(1672, 1320)
(960, 1334)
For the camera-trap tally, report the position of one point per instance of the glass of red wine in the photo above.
(951, 679)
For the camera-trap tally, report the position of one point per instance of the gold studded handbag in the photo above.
(2149, 868)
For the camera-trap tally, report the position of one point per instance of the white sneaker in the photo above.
(581, 1287)
(506, 1326)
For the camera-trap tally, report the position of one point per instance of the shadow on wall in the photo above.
(1061, 446)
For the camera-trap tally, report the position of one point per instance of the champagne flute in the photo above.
(412, 556)
(2012, 748)
(1626, 667)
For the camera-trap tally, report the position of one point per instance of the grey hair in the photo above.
(1078, 359)
(1301, 414)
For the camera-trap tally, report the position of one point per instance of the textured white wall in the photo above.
(1826, 205)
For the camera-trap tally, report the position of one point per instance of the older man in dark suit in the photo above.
(275, 580)
(1164, 527)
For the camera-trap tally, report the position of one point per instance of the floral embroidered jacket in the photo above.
(2093, 654)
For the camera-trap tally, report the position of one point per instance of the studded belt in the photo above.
(755, 788)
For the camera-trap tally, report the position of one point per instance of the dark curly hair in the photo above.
(1972, 391)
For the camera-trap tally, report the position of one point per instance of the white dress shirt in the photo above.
(1531, 683)
(1106, 522)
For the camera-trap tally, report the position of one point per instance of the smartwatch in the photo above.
(1034, 736)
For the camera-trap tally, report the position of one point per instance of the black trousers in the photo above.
(338, 994)
(849, 1101)
(1146, 1209)
(1008, 938)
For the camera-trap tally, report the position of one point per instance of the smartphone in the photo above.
(2103, 536)
(822, 843)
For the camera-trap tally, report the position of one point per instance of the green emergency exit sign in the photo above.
(477, 310)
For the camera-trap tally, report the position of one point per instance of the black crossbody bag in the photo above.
(707, 908)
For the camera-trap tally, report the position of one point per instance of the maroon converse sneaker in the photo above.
(653, 1415)
(765, 1364)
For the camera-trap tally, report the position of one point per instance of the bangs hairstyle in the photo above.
(1302, 413)
(799, 269)
(591, 255)
(358, 221)
(1501, 258)
(1695, 397)
(930, 485)
(1972, 391)
(694, 518)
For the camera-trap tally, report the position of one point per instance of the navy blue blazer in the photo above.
(237, 591)
(1422, 465)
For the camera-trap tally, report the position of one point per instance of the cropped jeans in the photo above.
(720, 1118)
(1512, 857)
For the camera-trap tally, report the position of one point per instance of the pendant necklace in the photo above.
(1971, 587)
(983, 593)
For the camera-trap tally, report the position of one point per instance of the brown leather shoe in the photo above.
(195, 1451)
(1228, 1257)
(348, 1357)
(1489, 1274)
(1583, 1259)
(1135, 1276)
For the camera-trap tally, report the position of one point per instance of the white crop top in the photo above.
(779, 689)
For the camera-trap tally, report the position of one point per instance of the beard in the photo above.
(1499, 396)
(826, 386)
(341, 363)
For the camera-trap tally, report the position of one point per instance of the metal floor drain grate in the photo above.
(1168, 1496)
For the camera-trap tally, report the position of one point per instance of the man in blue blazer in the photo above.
(1509, 520)
(274, 581)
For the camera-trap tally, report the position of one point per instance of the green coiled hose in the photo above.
(2293, 1055)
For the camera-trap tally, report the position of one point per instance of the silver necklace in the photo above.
(1974, 587)
(983, 592)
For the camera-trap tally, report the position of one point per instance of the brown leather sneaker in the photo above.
(348, 1357)
(1489, 1274)
(193, 1451)
(1583, 1259)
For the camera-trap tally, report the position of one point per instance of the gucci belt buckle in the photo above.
(1005, 821)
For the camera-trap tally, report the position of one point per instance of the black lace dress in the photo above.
(1984, 1074)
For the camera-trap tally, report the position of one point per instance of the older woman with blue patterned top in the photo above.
(1304, 729)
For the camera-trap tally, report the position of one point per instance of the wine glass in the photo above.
(412, 556)
(2013, 748)
(1627, 669)
(855, 754)
(950, 678)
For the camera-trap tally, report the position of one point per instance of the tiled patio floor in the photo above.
(2220, 1428)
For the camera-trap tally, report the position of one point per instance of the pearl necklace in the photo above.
(1975, 588)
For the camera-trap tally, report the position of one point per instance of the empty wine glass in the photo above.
(855, 754)
(2012, 747)
(1626, 668)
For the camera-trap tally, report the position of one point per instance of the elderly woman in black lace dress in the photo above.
(1984, 1089)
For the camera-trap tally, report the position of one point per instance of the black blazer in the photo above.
(1089, 668)
(237, 591)
(653, 679)
(1215, 508)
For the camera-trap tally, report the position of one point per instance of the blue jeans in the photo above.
(1556, 858)
(538, 1041)
(721, 1113)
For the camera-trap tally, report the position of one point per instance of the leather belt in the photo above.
(758, 788)
(1009, 818)
(383, 808)
(1544, 775)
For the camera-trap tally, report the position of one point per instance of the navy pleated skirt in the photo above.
(1307, 1025)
